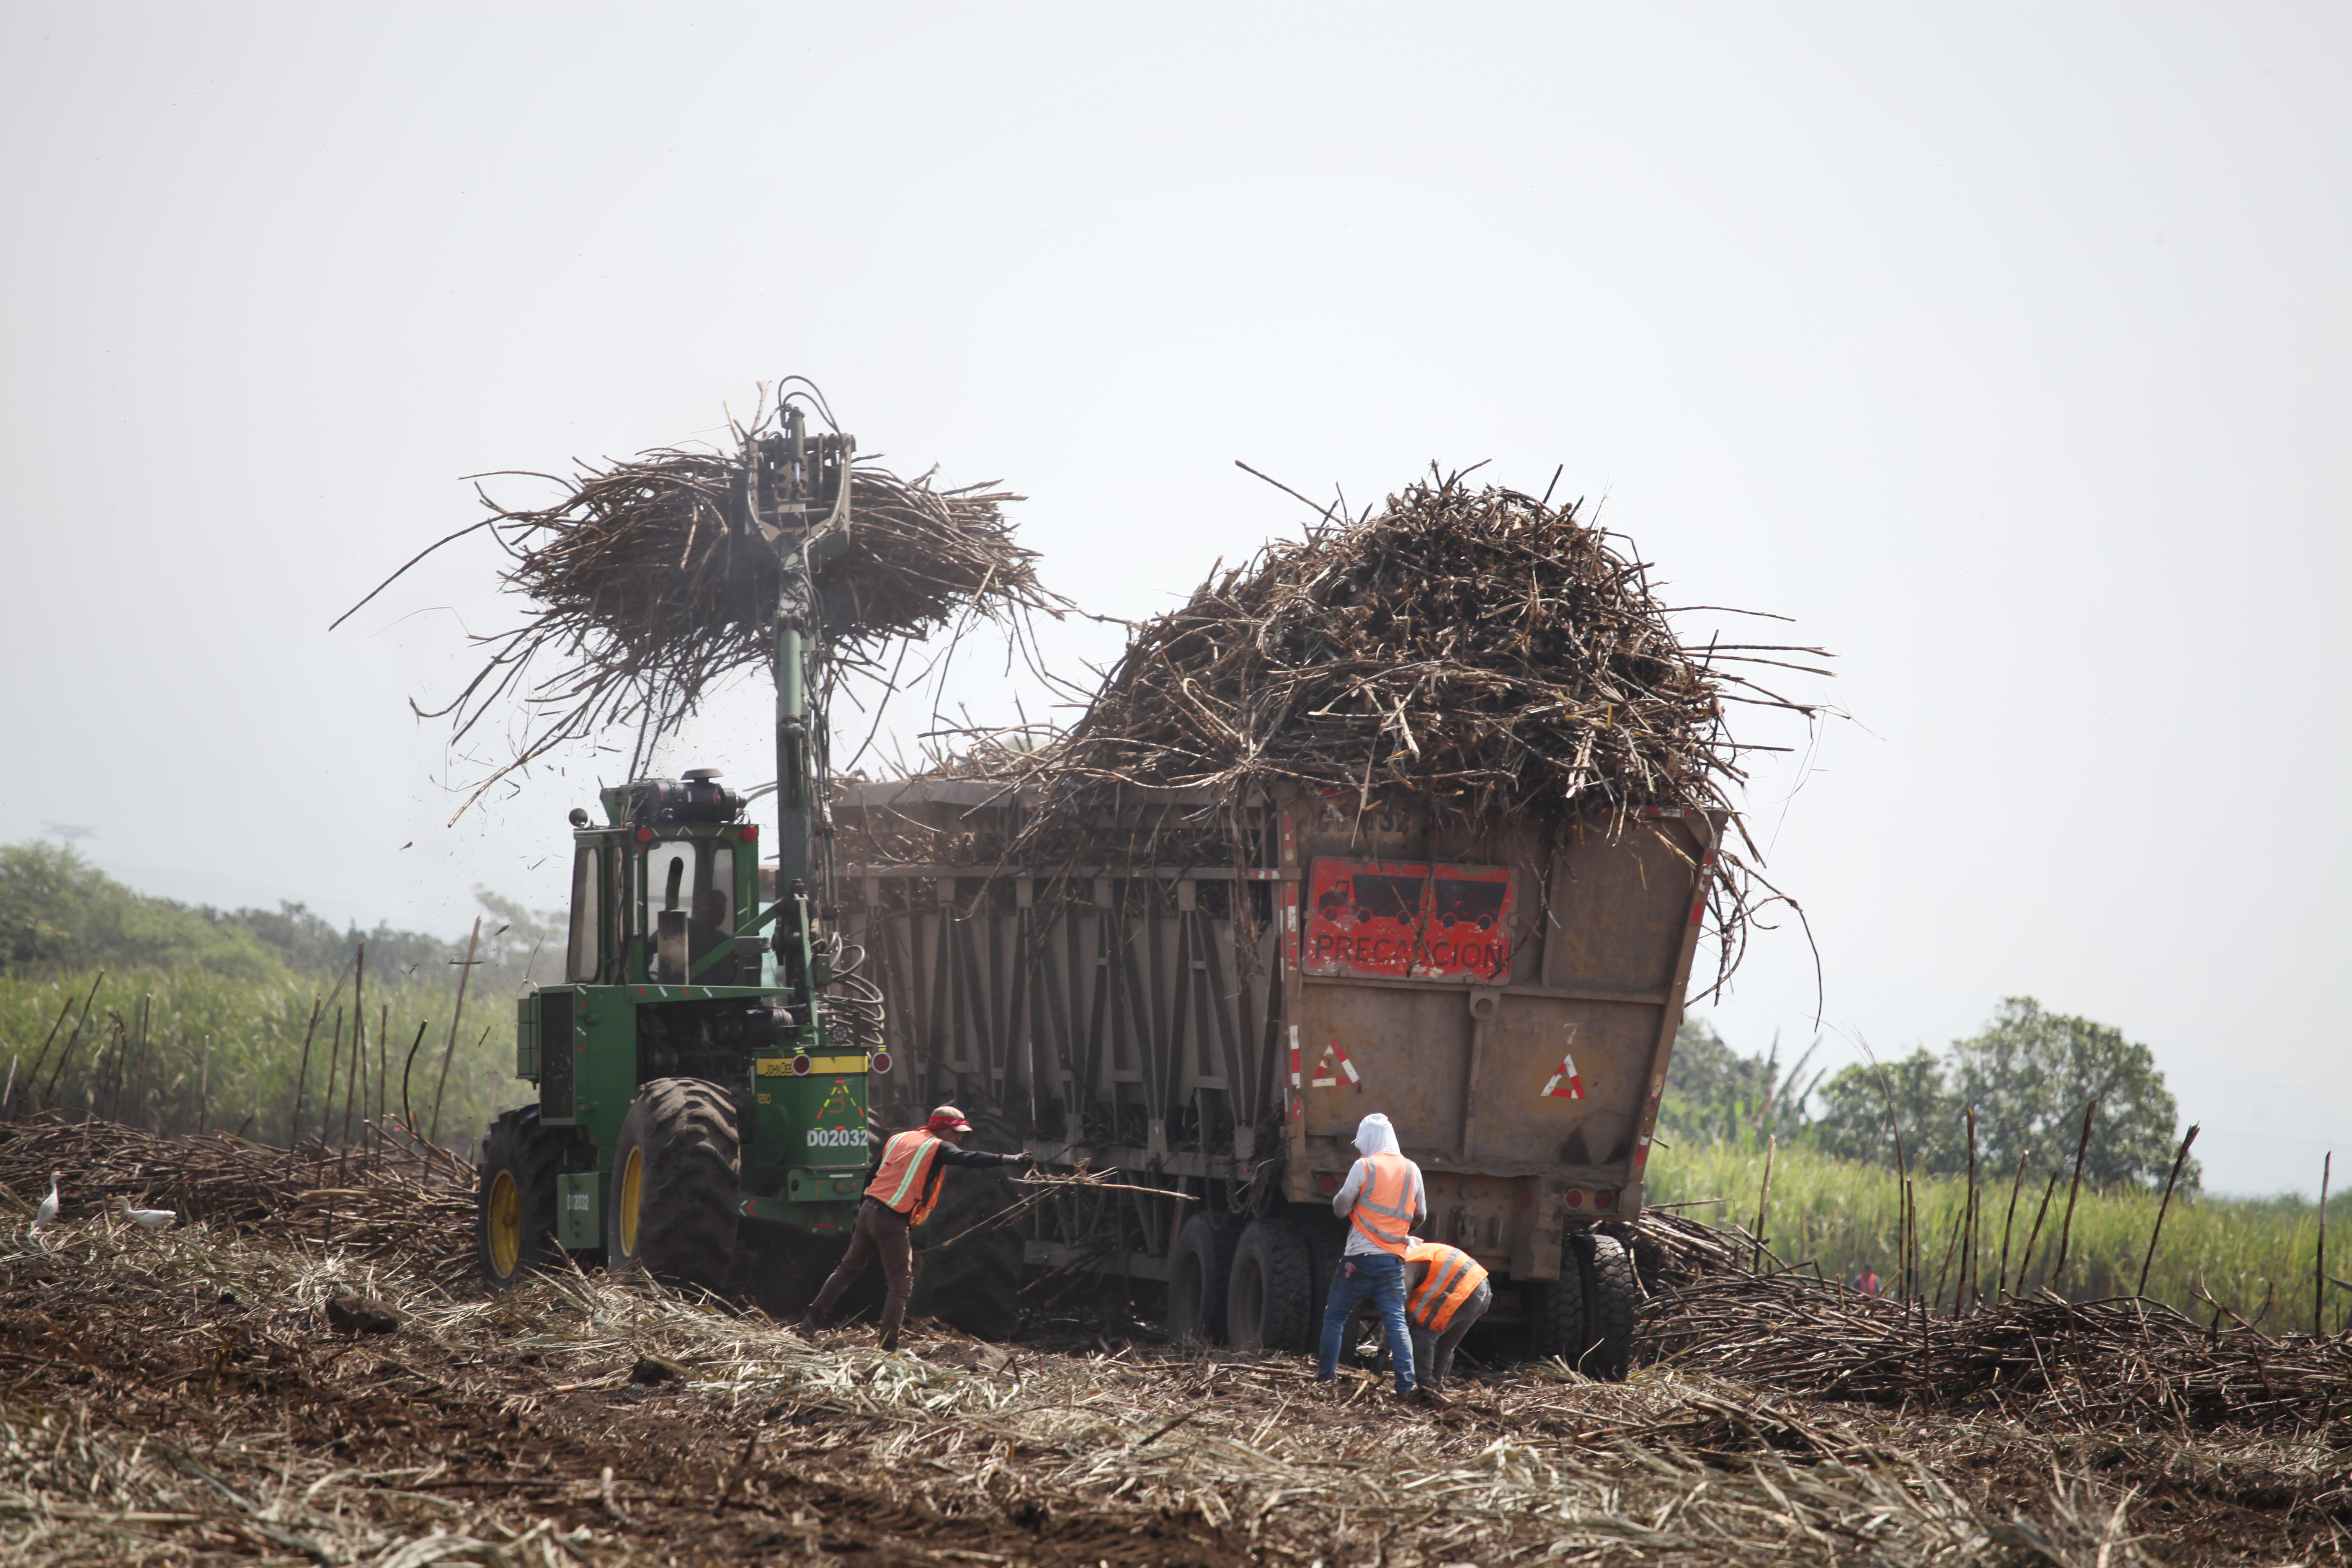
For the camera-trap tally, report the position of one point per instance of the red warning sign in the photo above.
(1565, 1084)
(1326, 1068)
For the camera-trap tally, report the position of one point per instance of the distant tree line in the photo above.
(61, 914)
(2028, 1076)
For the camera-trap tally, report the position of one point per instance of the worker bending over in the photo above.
(1445, 1292)
(902, 1185)
(1381, 1201)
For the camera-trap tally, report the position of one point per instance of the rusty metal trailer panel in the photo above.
(1508, 998)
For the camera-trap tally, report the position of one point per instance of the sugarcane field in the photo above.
(1149, 787)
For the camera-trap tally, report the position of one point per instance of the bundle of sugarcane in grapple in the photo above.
(1425, 814)
(702, 1069)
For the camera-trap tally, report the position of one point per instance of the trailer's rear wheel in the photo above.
(1558, 1327)
(514, 1208)
(1270, 1299)
(674, 1183)
(1197, 1278)
(1611, 1297)
(1587, 1316)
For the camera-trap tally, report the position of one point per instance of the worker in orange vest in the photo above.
(1381, 1200)
(902, 1185)
(1445, 1292)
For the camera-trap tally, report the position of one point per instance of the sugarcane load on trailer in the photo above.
(702, 1077)
(1421, 814)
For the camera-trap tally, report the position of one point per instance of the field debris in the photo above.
(415, 1202)
(523, 1422)
(188, 1393)
(2129, 1364)
(352, 1313)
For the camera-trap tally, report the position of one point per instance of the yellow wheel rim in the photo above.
(506, 1223)
(633, 1185)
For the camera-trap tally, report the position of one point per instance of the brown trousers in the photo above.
(878, 1231)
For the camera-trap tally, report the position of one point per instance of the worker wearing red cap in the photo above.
(902, 1185)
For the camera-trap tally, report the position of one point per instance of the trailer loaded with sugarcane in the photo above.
(1422, 815)
(1426, 812)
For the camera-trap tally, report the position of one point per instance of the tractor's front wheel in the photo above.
(514, 1208)
(674, 1183)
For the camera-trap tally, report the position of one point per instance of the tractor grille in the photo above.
(555, 1053)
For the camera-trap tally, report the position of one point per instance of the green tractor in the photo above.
(702, 1070)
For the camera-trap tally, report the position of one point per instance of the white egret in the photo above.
(48, 1209)
(153, 1219)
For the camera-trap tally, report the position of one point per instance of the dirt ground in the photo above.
(184, 1398)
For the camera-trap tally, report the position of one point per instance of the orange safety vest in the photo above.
(1454, 1276)
(1384, 1204)
(904, 1183)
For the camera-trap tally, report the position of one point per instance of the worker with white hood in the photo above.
(1383, 1200)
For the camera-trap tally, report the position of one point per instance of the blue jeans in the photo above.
(1382, 1277)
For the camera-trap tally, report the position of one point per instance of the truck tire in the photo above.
(1613, 1295)
(514, 1207)
(1324, 1246)
(1587, 1316)
(1558, 1329)
(674, 1183)
(1198, 1277)
(1270, 1299)
(970, 1266)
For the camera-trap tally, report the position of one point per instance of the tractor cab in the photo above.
(666, 891)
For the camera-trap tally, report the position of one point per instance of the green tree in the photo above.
(519, 944)
(2029, 1075)
(1853, 1121)
(312, 946)
(59, 911)
(1715, 1094)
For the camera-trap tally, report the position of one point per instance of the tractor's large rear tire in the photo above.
(1197, 1278)
(514, 1207)
(674, 1183)
(1270, 1298)
(1586, 1317)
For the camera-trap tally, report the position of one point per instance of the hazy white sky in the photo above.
(2006, 348)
